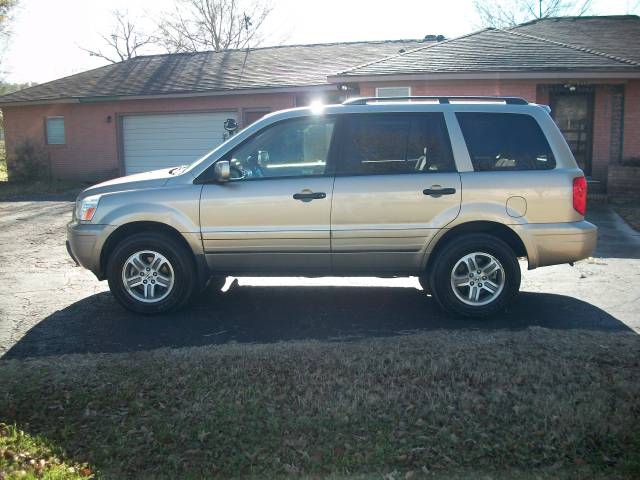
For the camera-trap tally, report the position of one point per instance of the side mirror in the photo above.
(222, 171)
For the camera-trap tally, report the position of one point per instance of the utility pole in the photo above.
(540, 8)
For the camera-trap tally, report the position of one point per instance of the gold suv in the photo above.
(451, 189)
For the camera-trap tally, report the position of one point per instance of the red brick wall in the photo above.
(91, 149)
(601, 151)
(631, 148)
(624, 183)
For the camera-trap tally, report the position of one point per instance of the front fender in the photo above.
(176, 206)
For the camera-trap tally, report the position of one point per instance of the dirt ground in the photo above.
(48, 306)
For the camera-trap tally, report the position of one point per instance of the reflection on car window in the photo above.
(287, 149)
(505, 141)
(396, 143)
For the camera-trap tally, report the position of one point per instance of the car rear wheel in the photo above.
(475, 276)
(151, 273)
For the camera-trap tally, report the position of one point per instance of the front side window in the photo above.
(395, 144)
(505, 141)
(286, 149)
(55, 131)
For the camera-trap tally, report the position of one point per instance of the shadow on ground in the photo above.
(257, 314)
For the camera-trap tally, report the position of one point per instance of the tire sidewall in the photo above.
(452, 253)
(173, 251)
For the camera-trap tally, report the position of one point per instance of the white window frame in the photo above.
(46, 130)
(379, 89)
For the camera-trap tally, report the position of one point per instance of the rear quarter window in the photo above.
(505, 141)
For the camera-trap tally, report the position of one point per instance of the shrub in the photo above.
(29, 162)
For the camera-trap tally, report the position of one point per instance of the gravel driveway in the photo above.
(48, 306)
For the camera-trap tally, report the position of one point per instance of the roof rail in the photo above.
(440, 99)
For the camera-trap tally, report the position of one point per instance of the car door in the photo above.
(274, 213)
(396, 185)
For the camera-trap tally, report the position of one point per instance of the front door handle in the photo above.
(308, 196)
(436, 192)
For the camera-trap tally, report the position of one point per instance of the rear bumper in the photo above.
(84, 244)
(555, 243)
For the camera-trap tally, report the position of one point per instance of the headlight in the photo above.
(86, 208)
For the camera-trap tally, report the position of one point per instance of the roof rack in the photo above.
(440, 99)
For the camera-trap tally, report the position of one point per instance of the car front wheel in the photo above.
(475, 276)
(151, 273)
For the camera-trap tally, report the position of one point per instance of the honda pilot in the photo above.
(452, 190)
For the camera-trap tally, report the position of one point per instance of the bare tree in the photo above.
(197, 25)
(507, 13)
(125, 40)
(6, 9)
(6, 6)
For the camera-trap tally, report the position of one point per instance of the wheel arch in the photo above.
(132, 228)
(499, 230)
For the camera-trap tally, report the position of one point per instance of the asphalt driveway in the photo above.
(48, 306)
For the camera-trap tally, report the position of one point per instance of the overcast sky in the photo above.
(47, 35)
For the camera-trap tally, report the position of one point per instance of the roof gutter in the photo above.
(217, 93)
(567, 75)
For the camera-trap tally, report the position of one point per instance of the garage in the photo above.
(151, 142)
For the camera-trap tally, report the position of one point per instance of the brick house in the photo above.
(161, 110)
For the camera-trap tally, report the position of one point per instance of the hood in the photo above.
(137, 181)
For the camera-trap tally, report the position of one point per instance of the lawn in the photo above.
(454, 404)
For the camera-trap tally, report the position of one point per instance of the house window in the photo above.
(55, 131)
(393, 92)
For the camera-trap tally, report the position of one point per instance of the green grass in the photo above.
(26, 457)
(448, 404)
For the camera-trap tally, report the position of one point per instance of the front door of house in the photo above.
(573, 112)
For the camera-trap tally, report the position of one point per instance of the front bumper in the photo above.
(555, 243)
(84, 244)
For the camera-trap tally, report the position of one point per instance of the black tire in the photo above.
(180, 258)
(456, 249)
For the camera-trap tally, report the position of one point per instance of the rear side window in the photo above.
(378, 144)
(505, 141)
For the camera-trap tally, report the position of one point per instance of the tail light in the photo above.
(580, 195)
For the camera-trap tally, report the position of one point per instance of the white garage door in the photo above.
(152, 142)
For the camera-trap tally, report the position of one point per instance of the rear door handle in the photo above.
(308, 196)
(436, 192)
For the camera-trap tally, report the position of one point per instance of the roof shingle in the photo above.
(616, 35)
(564, 44)
(284, 66)
(494, 50)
